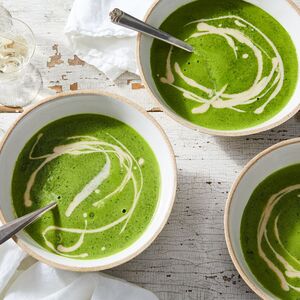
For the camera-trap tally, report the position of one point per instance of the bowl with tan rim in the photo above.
(96, 103)
(180, 94)
(260, 230)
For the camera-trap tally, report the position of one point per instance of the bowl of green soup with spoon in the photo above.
(262, 222)
(107, 164)
(242, 77)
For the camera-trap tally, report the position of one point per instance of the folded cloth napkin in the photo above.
(42, 282)
(109, 47)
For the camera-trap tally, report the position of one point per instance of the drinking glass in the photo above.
(19, 80)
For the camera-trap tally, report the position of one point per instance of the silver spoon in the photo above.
(121, 18)
(10, 229)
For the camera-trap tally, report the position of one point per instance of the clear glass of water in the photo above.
(19, 80)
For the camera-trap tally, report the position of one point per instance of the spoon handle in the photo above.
(121, 18)
(13, 227)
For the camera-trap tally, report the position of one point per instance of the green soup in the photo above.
(243, 70)
(270, 233)
(103, 175)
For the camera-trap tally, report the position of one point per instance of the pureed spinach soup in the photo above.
(270, 233)
(243, 70)
(104, 177)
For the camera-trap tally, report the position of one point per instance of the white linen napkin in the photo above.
(109, 47)
(42, 282)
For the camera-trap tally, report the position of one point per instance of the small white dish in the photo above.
(284, 11)
(260, 167)
(102, 103)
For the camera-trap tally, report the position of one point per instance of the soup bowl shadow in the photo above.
(88, 102)
(242, 149)
(276, 157)
(284, 11)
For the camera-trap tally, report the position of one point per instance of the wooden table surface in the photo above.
(189, 260)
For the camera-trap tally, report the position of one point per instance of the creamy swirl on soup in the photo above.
(242, 72)
(100, 171)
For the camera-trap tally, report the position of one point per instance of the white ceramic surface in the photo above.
(274, 158)
(283, 11)
(98, 103)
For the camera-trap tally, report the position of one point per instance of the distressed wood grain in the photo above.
(189, 259)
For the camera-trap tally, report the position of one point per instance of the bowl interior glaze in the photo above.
(96, 103)
(269, 161)
(283, 11)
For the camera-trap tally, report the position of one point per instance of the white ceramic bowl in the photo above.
(97, 103)
(284, 11)
(267, 162)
